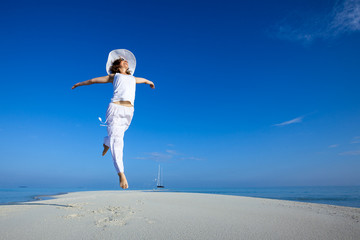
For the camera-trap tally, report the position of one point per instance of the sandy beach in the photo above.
(166, 215)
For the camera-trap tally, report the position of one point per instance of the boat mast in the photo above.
(158, 180)
(161, 179)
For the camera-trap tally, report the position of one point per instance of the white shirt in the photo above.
(124, 88)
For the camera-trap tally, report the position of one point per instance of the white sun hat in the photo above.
(118, 53)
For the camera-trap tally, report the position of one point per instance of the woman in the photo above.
(120, 68)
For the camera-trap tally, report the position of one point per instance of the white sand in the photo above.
(164, 215)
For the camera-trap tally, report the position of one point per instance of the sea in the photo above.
(348, 196)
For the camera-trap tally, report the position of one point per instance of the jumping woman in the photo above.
(120, 68)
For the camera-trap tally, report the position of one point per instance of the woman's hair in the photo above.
(115, 68)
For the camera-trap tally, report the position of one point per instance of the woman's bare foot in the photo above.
(123, 181)
(106, 148)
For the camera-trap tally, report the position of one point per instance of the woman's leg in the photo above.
(106, 145)
(118, 122)
(116, 148)
(116, 145)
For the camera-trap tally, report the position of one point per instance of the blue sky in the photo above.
(250, 93)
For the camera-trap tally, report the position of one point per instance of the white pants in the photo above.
(118, 119)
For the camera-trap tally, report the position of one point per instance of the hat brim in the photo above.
(118, 53)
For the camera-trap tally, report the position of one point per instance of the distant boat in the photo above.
(159, 179)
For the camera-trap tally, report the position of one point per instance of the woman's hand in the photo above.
(76, 85)
(152, 85)
(92, 81)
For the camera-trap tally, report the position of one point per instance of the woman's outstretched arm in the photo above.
(143, 80)
(105, 79)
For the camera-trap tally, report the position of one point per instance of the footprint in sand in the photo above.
(73, 215)
(114, 216)
(107, 216)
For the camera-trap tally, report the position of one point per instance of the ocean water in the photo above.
(337, 195)
(341, 196)
(25, 194)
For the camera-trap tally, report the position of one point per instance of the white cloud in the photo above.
(355, 140)
(333, 145)
(159, 157)
(192, 158)
(171, 152)
(352, 153)
(169, 155)
(295, 120)
(343, 18)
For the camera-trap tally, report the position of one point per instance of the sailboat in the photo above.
(159, 180)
